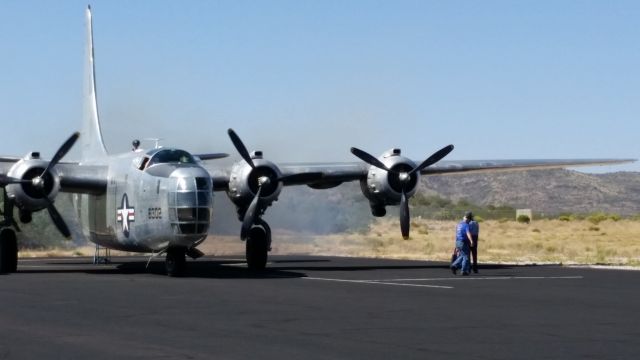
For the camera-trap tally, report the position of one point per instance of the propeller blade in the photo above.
(302, 178)
(235, 139)
(404, 216)
(62, 151)
(437, 156)
(58, 221)
(369, 159)
(6, 180)
(250, 216)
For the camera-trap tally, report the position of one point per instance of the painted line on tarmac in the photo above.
(78, 260)
(467, 278)
(379, 282)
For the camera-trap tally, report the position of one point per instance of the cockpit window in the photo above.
(171, 156)
(143, 163)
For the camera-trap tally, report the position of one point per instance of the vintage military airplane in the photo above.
(159, 201)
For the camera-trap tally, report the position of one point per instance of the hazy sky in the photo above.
(306, 80)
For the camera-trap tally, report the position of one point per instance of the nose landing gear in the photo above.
(175, 262)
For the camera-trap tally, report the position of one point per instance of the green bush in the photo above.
(597, 218)
(523, 219)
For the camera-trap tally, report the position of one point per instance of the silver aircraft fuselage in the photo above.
(154, 199)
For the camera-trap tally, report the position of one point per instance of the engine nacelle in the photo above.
(28, 196)
(384, 188)
(244, 182)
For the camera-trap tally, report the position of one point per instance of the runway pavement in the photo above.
(315, 308)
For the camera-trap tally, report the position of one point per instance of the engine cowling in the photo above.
(383, 187)
(30, 195)
(245, 180)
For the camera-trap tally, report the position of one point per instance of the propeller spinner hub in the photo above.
(264, 180)
(38, 182)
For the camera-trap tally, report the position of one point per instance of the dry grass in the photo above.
(542, 241)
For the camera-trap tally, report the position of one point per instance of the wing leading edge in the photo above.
(337, 173)
(466, 166)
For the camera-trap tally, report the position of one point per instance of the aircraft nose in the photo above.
(190, 205)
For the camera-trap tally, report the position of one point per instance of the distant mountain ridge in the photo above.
(546, 191)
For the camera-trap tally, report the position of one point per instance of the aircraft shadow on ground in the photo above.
(220, 269)
(226, 269)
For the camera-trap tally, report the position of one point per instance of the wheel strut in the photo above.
(8, 251)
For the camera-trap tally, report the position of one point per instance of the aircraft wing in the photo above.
(74, 178)
(333, 174)
(466, 166)
(350, 171)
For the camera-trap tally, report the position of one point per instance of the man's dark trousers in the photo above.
(474, 253)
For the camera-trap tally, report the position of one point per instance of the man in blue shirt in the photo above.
(463, 242)
(474, 229)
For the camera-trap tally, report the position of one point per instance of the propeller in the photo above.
(404, 178)
(250, 216)
(6, 180)
(253, 211)
(242, 150)
(38, 183)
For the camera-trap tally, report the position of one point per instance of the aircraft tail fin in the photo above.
(92, 146)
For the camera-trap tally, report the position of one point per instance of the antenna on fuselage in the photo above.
(155, 140)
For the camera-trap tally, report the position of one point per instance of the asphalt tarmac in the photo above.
(316, 308)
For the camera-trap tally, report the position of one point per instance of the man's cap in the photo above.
(468, 215)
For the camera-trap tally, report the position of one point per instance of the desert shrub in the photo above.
(536, 230)
(478, 219)
(594, 228)
(463, 203)
(523, 219)
(564, 218)
(615, 217)
(597, 218)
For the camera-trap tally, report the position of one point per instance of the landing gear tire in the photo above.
(175, 262)
(8, 251)
(256, 248)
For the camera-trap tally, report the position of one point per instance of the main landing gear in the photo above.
(8, 251)
(258, 244)
(8, 240)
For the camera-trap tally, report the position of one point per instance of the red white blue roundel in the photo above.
(125, 215)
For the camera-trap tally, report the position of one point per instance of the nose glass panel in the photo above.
(190, 206)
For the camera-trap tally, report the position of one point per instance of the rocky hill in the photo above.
(544, 191)
(547, 191)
